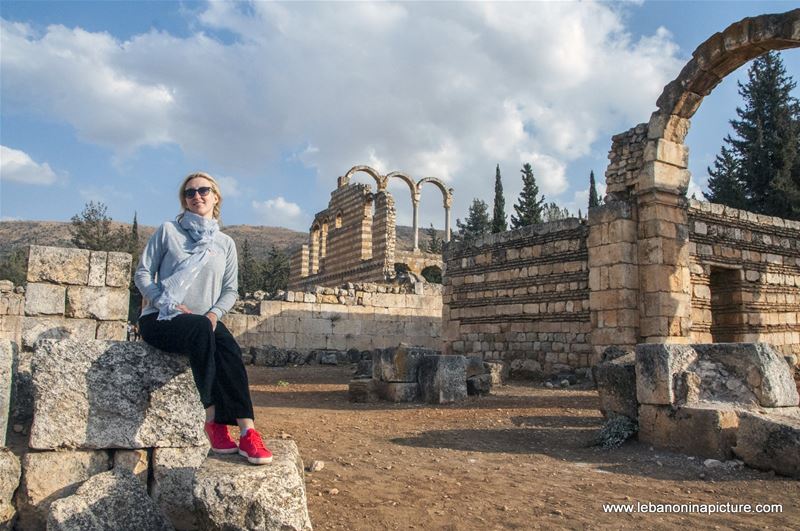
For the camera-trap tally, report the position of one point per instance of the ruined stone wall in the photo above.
(521, 294)
(626, 159)
(362, 316)
(745, 274)
(12, 310)
(417, 261)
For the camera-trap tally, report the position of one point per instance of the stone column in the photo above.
(448, 201)
(415, 205)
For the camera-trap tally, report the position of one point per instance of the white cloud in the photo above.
(279, 212)
(229, 186)
(18, 166)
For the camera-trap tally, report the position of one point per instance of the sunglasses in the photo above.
(203, 191)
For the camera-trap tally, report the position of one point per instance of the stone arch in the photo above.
(372, 172)
(665, 156)
(406, 179)
(447, 199)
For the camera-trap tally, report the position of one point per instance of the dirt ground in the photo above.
(519, 459)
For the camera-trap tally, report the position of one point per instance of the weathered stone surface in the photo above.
(475, 366)
(616, 386)
(299, 358)
(44, 299)
(97, 268)
(397, 391)
(8, 356)
(107, 394)
(398, 364)
(137, 462)
(49, 476)
(362, 390)
(770, 441)
(58, 264)
(112, 330)
(526, 369)
(656, 367)
(480, 384)
(118, 270)
(35, 329)
(499, 370)
(232, 495)
(703, 430)
(174, 470)
(21, 411)
(269, 356)
(443, 379)
(9, 481)
(111, 500)
(363, 369)
(104, 304)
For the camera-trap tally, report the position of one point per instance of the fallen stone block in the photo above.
(616, 386)
(398, 364)
(362, 390)
(58, 264)
(9, 481)
(108, 394)
(499, 370)
(269, 356)
(479, 385)
(475, 366)
(232, 495)
(770, 441)
(363, 369)
(398, 391)
(326, 357)
(525, 369)
(137, 462)
(299, 358)
(49, 476)
(705, 431)
(443, 379)
(656, 368)
(174, 471)
(111, 500)
(8, 357)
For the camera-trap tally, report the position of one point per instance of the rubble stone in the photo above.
(480, 384)
(269, 356)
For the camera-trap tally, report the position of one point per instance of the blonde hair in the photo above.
(214, 188)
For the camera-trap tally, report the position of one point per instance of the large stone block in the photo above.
(104, 304)
(706, 431)
(398, 364)
(118, 270)
(616, 386)
(44, 299)
(49, 476)
(362, 390)
(97, 268)
(112, 330)
(770, 441)
(398, 391)
(656, 367)
(8, 356)
(107, 394)
(232, 495)
(174, 471)
(9, 481)
(58, 264)
(443, 379)
(35, 329)
(269, 356)
(111, 500)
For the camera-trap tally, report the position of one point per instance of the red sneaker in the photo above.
(221, 441)
(252, 447)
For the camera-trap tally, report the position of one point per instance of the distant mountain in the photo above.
(260, 239)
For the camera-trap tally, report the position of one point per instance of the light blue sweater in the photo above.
(216, 287)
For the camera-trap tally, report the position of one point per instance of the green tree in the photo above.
(249, 280)
(435, 244)
(594, 200)
(499, 223)
(553, 212)
(91, 229)
(477, 222)
(134, 245)
(724, 184)
(529, 204)
(14, 266)
(275, 271)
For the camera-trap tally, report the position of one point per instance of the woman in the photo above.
(188, 277)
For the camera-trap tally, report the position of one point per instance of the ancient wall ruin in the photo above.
(521, 295)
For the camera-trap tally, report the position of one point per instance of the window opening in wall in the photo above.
(432, 274)
(726, 304)
(338, 220)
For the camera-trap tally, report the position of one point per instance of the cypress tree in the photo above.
(435, 244)
(529, 204)
(477, 222)
(248, 271)
(724, 186)
(499, 216)
(593, 199)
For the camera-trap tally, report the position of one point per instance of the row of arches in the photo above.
(415, 188)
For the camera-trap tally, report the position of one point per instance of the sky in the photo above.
(117, 101)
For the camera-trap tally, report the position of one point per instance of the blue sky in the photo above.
(117, 101)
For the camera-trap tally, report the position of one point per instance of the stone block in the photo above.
(112, 330)
(112, 500)
(8, 359)
(499, 370)
(362, 390)
(770, 441)
(9, 481)
(525, 369)
(703, 431)
(49, 476)
(172, 487)
(398, 364)
(475, 366)
(656, 367)
(107, 394)
(137, 462)
(118, 270)
(230, 494)
(269, 356)
(443, 379)
(397, 391)
(616, 385)
(44, 299)
(97, 268)
(480, 384)
(35, 329)
(58, 264)
(104, 304)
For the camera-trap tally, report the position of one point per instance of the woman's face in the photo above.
(202, 206)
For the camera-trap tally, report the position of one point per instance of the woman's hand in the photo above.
(213, 318)
(183, 308)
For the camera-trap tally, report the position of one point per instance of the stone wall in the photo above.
(521, 294)
(12, 310)
(364, 316)
(625, 159)
(745, 274)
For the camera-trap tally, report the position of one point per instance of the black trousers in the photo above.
(214, 356)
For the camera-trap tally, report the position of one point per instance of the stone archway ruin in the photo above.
(447, 197)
